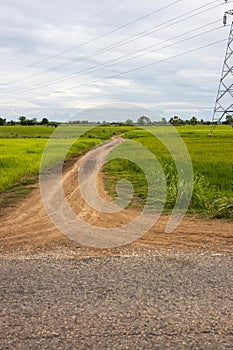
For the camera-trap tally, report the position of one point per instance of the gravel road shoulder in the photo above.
(162, 301)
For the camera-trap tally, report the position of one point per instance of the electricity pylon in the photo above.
(224, 100)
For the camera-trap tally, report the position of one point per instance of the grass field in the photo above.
(212, 158)
(17, 131)
(22, 148)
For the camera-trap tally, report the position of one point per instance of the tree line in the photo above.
(142, 120)
(22, 120)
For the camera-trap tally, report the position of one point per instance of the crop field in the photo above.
(22, 148)
(18, 131)
(212, 160)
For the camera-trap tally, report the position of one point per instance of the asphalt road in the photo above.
(130, 302)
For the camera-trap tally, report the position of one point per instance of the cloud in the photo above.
(95, 67)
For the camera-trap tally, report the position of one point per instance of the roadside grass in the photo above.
(20, 156)
(16, 192)
(212, 160)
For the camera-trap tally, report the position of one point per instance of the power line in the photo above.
(96, 38)
(131, 70)
(150, 64)
(116, 61)
(131, 39)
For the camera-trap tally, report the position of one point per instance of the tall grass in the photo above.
(212, 160)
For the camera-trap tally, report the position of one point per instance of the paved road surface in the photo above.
(131, 302)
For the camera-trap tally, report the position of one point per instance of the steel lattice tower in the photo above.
(224, 100)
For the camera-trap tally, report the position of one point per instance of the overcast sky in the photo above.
(59, 57)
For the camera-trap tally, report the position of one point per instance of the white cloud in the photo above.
(32, 32)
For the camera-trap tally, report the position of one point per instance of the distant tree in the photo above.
(54, 124)
(31, 122)
(22, 120)
(229, 120)
(129, 122)
(12, 122)
(176, 121)
(163, 120)
(2, 121)
(193, 121)
(143, 120)
(44, 121)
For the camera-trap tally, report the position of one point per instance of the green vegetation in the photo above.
(22, 148)
(19, 131)
(212, 160)
(68, 131)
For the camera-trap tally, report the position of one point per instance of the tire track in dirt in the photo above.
(27, 229)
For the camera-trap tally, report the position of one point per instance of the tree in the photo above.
(32, 121)
(12, 122)
(163, 120)
(22, 120)
(143, 120)
(193, 121)
(229, 120)
(44, 121)
(2, 121)
(176, 121)
(55, 124)
(129, 122)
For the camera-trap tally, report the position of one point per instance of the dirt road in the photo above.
(27, 229)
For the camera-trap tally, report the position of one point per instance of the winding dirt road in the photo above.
(27, 229)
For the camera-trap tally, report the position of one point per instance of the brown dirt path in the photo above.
(26, 228)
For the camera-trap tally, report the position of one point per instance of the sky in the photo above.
(62, 57)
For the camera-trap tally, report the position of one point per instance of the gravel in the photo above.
(128, 302)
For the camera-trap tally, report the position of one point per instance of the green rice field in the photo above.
(212, 159)
(22, 148)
